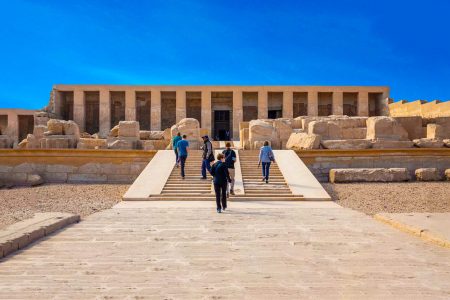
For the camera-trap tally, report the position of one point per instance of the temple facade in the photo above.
(220, 109)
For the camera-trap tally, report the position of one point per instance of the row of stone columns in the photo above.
(206, 110)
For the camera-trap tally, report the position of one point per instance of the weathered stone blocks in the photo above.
(129, 129)
(447, 174)
(154, 144)
(84, 143)
(428, 174)
(429, 143)
(303, 141)
(385, 128)
(388, 144)
(369, 175)
(346, 144)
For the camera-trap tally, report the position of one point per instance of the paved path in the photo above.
(254, 251)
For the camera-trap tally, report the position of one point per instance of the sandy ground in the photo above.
(405, 197)
(21, 203)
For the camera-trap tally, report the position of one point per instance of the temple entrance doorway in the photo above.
(222, 125)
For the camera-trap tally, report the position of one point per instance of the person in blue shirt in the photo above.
(182, 147)
(266, 157)
(175, 141)
(221, 178)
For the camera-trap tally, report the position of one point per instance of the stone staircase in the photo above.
(256, 189)
(192, 188)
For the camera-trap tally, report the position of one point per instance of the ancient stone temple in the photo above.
(219, 109)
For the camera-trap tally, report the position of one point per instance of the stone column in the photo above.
(288, 105)
(206, 110)
(263, 102)
(363, 104)
(313, 103)
(238, 113)
(180, 105)
(130, 105)
(79, 109)
(104, 112)
(57, 103)
(13, 127)
(155, 110)
(338, 103)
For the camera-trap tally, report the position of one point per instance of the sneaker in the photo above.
(263, 179)
(231, 192)
(182, 177)
(267, 180)
(224, 208)
(202, 178)
(219, 210)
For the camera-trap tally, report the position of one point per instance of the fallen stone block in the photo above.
(447, 174)
(428, 143)
(20, 179)
(39, 130)
(151, 135)
(303, 141)
(328, 130)
(59, 142)
(71, 128)
(123, 144)
(114, 132)
(369, 175)
(84, 143)
(55, 127)
(447, 142)
(385, 128)
(129, 129)
(187, 126)
(412, 125)
(428, 174)
(347, 144)
(388, 144)
(354, 133)
(154, 144)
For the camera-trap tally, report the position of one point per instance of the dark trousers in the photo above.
(182, 163)
(176, 155)
(206, 165)
(221, 195)
(265, 170)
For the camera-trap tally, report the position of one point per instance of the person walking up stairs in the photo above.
(182, 147)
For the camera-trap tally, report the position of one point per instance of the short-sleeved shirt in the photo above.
(182, 147)
(175, 141)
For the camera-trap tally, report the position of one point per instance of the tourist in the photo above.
(266, 157)
(182, 147)
(230, 159)
(175, 141)
(221, 178)
(207, 155)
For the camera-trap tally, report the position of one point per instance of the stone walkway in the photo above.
(254, 251)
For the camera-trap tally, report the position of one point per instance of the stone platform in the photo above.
(256, 250)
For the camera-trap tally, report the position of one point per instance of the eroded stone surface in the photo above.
(369, 175)
(428, 174)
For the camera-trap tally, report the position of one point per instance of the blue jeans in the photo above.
(182, 162)
(206, 165)
(265, 170)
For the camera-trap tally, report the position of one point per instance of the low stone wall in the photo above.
(321, 161)
(71, 166)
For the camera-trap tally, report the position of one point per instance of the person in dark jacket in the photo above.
(207, 156)
(221, 178)
(230, 159)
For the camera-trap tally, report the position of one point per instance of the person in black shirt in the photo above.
(230, 159)
(221, 177)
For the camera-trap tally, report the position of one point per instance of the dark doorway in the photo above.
(222, 128)
(274, 114)
(26, 126)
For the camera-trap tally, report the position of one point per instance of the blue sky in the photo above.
(402, 44)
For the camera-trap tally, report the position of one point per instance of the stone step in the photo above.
(231, 199)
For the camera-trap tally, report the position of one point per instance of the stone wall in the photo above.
(420, 108)
(320, 162)
(71, 166)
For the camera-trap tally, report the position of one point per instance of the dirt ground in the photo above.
(21, 203)
(404, 197)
